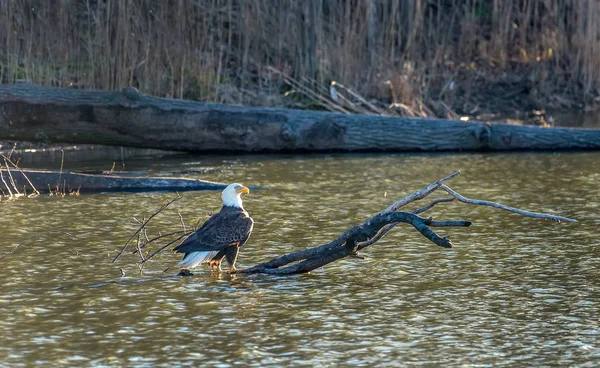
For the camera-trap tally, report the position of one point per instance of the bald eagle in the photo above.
(221, 236)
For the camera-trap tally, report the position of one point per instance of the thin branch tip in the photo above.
(519, 211)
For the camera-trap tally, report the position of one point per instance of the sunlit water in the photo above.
(514, 291)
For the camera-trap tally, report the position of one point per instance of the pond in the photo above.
(514, 291)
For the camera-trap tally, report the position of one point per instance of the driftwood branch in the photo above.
(86, 182)
(128, 118)
(506, 208)
(349, 243)
(384, 230)
(368, 232)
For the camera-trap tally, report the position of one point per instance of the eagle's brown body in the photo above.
(221, 236)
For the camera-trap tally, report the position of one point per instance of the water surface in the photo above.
(514, 291)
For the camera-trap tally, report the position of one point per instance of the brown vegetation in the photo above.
(410, 57)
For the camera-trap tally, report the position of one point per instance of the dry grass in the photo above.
(424, 56)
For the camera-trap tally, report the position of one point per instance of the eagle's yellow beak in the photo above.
(243, 189)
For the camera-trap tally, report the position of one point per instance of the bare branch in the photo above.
(506, 208)
(433, 203)
(384, 230)
(139, 250)
(10, 193)
(311, 252)
(164, 247)
(12, 150)
(297, 256)
(145, 233)
(10, 177)
(144, 224)
(419, 194)
(36, 236)
(7, 158)
(182, 222)
(326, 254)
(62, 162)
(160, 236)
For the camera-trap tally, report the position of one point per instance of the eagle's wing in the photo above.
(219, 232)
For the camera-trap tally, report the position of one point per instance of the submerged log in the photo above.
(128, 118)
(75, 182)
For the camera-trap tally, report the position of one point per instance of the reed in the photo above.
(465, 54)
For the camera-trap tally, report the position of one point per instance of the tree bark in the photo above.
(128, 118)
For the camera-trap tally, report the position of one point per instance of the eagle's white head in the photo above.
(232, 195)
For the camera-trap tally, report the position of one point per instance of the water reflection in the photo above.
(587, 120)
(513, 292)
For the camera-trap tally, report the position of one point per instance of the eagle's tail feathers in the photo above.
(193, 259)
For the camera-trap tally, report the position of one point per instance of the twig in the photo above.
(182, 222)
(384, 230)
(360, 98)
(144, 224)
(62, 161)
(5, 183)
(160, 236)
(35, 191)
(164, 247)
(12, 180)
(12, 150)
(139, 250)
(419, 194)
(320, 100)
(506, 208)
(145, 233)
(33, 238)
(433, 203)
(142, 264)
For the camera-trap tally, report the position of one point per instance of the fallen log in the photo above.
(65, 182)
(128, 118)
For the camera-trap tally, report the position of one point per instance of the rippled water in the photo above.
(514, 291)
